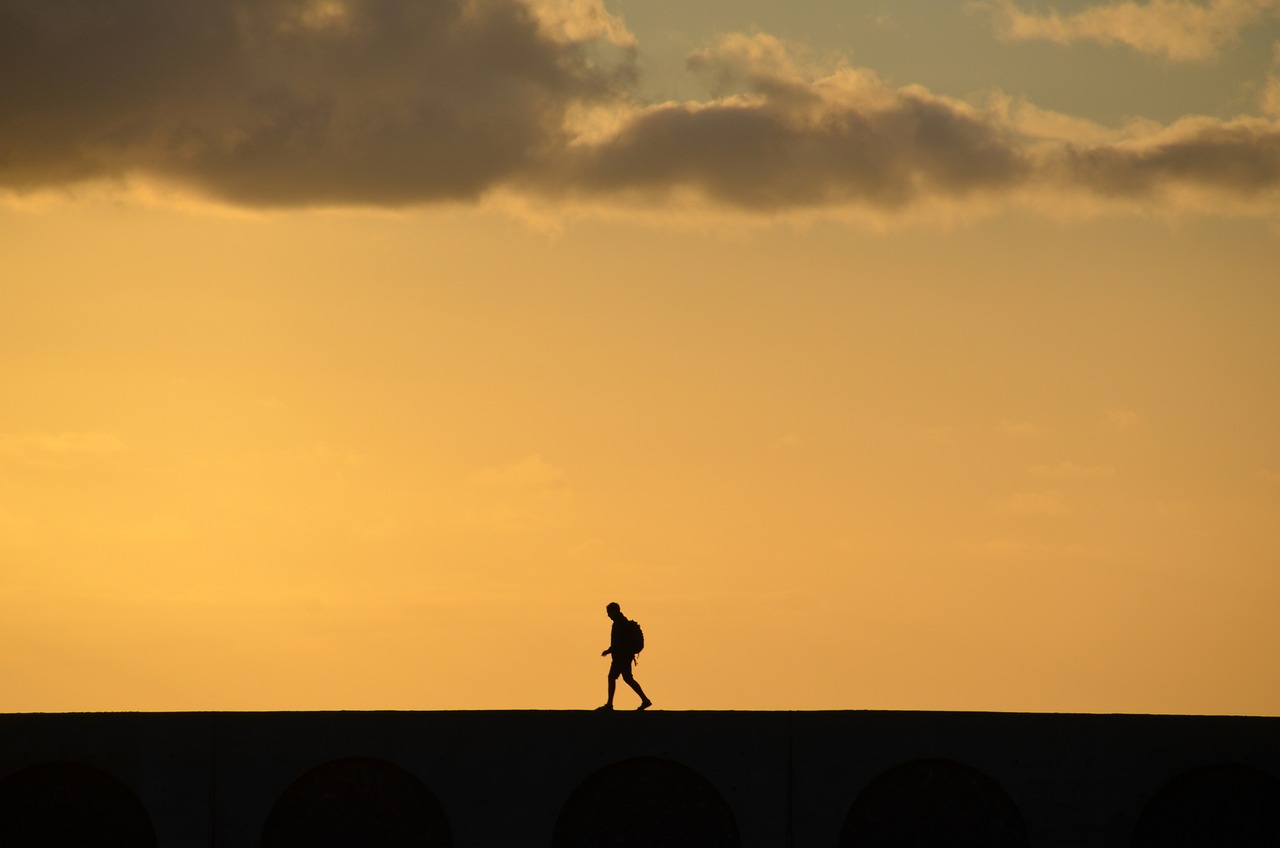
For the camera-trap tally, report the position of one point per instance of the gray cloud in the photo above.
(768, 155)
(1241, 158)
(1178, 30)
(789, 138)
(383, 102)
(285, 101)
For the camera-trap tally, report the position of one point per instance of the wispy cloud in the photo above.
(1120, 419)
(1271, 88)
(58, 449)
(580, 21)
(940, 434)
(787, 441)
(1035, 503)
(1019, 429)
(1177, 30)
(296, 103)
(1073, 471)
(527, 495)
(1016, 549)
(530, 473)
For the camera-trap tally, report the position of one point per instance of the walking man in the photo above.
(625, 641)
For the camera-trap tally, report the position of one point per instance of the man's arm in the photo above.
(606, 652)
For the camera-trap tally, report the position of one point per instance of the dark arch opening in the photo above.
(71, 805)
(646, 803)
(930, 803)
(1213, 806)
(357, 802)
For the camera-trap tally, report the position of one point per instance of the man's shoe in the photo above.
(645, 704)
(606, 707)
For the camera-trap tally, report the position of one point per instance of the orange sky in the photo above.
(369, 389)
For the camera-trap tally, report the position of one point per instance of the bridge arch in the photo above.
(357, 801)
(646, 802)
(71, 804)
(936, 802)
(1210, 806)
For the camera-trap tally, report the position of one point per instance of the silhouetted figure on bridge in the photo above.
(625, 641)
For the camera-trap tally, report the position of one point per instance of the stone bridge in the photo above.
(710, 779)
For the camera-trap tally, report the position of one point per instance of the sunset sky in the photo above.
(873, 354)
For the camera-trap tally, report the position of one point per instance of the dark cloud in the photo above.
(789, 138)
(784, 137)
(285, 101)
(765, 155)
(1241, 158)
(390, 102)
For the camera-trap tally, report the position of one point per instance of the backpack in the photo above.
(633, 637)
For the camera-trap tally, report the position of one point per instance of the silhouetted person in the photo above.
(625, 641)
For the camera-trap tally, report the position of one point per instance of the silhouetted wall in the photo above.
(710, 779)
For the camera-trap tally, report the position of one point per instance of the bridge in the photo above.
(711, 779)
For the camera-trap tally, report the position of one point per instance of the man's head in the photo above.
(614, 611)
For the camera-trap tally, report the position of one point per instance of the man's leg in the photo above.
(613, 683)
(645, 703)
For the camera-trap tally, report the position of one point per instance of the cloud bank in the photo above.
(1177, 30)
(296, 103)
(291, 102)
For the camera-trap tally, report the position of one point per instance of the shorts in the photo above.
(621, 666)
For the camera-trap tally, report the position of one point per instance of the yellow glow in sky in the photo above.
(856, 394)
